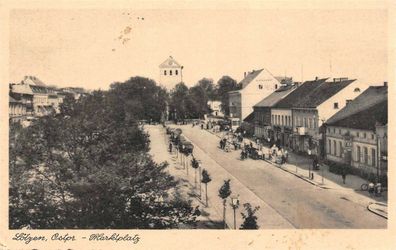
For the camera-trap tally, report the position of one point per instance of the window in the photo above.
(335, 147)
(315, 124)
(289, 120)
(328, 130)
(176, 72)
(339, 131)
(272, 119)
(341, 148)
(365, 155)
(310, 123)
(282, 120)
(170, 72)
(348, 101)
(373, 157)
(357, 134)
(364, 135)
(260, 86)
(336, 105)
(358, 154)
(372, 136)
(356, 90)
(329, 146)
(305, 122)
(165, 72)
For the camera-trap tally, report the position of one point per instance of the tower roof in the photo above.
(170, 63)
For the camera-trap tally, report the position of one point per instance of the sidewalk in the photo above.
(299, 166)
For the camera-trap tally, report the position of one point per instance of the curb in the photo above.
(375, 212)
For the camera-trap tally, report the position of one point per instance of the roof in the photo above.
(12, 100)
(250, 77)
(301, 92)
(276, 96)
(170, 63)
(367, 118)
(32, 80)
(371, 96)
(320, 94)
(38, 89)
(249, 118)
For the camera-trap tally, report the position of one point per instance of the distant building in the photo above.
(215, 107)
(262, 111)
(16, 110)
(255, 86)
(357, 134)
(171, 73)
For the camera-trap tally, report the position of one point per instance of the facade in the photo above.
(16, 110)
(262, 111)
(282, 121)
(215, 106)
(319, 105)
(256, 85)
(358, 135)
(171, 73)
(23, 93)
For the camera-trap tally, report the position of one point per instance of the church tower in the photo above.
(171, 73)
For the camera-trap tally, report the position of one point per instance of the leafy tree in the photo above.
(195, 165)
(206, 179)
(225, 85)
(224, 192)
(178, 101)
(250, 220)
(91, 169)
(209, 88)
(197, 102)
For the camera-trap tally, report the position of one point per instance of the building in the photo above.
(357, 134)
(215, 107)
(16, 110)
(255, 86)
(23, 92)
(171, 73)
(262, 110)
(281, 113)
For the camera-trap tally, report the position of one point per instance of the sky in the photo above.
(94, 48)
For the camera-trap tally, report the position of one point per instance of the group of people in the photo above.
(374, 189)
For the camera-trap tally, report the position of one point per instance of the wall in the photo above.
(235, 104)
(170, 81)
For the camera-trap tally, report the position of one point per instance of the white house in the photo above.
(256, 85)
(215, 107)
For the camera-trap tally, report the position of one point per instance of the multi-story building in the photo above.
(256, 85)
(262, 111)
(315, 108)
(171, 73)
(281, 113)
(357, 135)
(16, 110)
(23, 92)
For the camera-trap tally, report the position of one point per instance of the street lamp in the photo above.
(235, 205)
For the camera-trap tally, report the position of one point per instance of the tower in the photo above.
(170, 73)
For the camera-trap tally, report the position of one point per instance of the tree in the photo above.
(91, 169)
(207, 85)
(250, 220)
(195, 165)
(197, 102)
(225, 85)
(206, 179)
(224, 192)
(178, 101)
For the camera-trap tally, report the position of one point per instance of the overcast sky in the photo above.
(84, 47)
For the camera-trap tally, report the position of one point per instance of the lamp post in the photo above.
(235, 205)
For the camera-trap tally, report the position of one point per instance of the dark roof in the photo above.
(249, 77)
(320, 94)
(13, 100)
(370, 97)
(276, 96)
(366, 119)
(249, 118)
(301, 92)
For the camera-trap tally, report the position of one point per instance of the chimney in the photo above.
(385, 84)
(244, 74)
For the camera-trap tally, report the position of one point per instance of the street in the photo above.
(299, 203)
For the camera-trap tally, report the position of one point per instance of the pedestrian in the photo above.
(343, 177)
(286, 155)
(314, 163)
(371, 188)
(378, 189)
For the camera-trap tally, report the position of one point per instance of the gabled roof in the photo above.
(276, 96)
(300, 93)
(371, 96)
(365, 119)
(32, 80)
(320, 94)
(170, 63)
(250, 77)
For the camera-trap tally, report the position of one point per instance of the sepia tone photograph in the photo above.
(183, 118)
